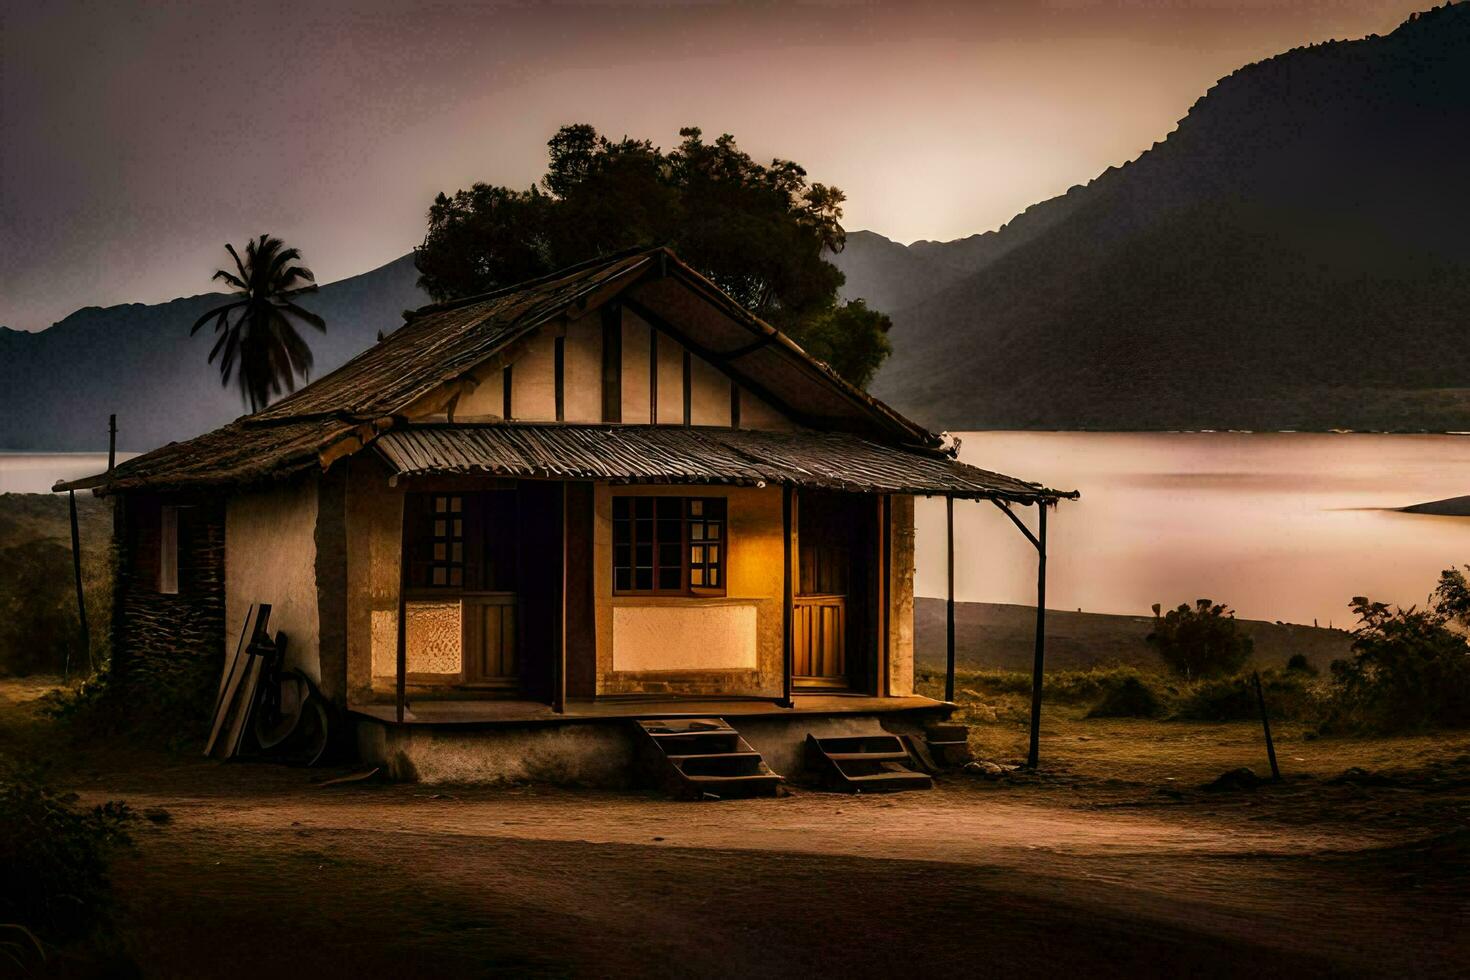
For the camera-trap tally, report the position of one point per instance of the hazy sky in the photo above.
(136, 139)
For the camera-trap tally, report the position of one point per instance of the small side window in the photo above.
(168, 551)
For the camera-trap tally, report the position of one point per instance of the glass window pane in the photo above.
(696, 576)
(670, 507)
(439, 551)
(456, 576)
(456, 504)
(713, 530)
(643, 578)
(439, 576)
(643, 554)
(439, 528)
(643, 506)
(696, 507)
(714, 578)
(696, 532)
(458, 552)
(668, 578)
(696, 555)
(623, 579)
(440, 504)
(620, 507)
(459, 529)
(714, 554)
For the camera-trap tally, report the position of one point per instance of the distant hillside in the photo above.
(1294, 255)
(57, 386)
(991, 635)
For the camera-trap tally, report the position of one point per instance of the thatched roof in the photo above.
(353, 406)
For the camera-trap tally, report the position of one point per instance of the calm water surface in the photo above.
(37, 472)
(1279, 526)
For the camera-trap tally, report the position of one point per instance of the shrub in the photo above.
(1410, 668)
(1130, 698)
(1299, 664)
(1290, 694)
(53, 857)
(1201, 642)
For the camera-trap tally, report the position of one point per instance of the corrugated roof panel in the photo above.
(669, 454)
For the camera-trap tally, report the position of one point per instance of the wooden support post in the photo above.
(111, 442)
(949, 602)
(1266, 727)
(76, 562)
(559, 665)
(788, 600)
(400, 685)
(1033, 755)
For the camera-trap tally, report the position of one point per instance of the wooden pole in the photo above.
(111, 442)
(76, 564)
(788, 602)
(1033, 755)
(949, 603)
(400, 679)
(559, 688)
(1266, 727)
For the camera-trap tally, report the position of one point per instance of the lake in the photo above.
(36, 472)
(1281, 526)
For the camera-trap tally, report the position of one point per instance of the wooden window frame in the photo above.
(694, 514)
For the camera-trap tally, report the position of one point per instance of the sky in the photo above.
(137, 138)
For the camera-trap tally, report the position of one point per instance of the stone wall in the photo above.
(167, 649)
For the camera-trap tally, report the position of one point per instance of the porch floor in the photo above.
(493, 712)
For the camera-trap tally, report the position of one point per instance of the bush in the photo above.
(1299, 664)
(1201, 642)
(1410, 668)
(53, 857)
(1290, 694)
(1131, 698)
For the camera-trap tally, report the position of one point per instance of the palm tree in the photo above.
(256, 331)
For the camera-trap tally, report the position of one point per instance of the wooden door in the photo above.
(490, 654)
(821, 627)
(819, 632)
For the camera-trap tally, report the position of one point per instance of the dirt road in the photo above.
(260, 872)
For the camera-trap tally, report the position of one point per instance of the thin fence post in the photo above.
(1266, 726)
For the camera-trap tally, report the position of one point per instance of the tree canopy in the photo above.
(760, 232)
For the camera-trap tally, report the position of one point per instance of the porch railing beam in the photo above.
(949, 601)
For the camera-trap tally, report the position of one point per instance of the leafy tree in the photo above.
(760, 232)
(1204, 641)
(1410, 668)
(258, 343)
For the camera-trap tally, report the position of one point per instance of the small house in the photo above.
(525, 520)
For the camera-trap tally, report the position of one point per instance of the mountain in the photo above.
(1294, 255)
(57, 386)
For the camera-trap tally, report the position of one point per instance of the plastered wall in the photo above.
(672, 656)
(533, 382)
(901, 598)
(270, 556)
(373, 514)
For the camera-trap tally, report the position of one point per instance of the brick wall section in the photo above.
(169, 648)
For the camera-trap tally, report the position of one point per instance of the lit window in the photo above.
(668, 545)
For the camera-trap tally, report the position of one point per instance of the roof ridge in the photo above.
(563, 273)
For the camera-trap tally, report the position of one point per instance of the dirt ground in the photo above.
(1112, 861)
